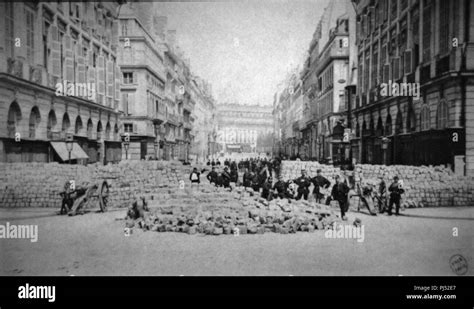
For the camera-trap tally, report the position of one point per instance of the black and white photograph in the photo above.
(237, 138)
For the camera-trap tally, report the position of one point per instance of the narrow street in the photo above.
(420, 242)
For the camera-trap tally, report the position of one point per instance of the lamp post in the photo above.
(155, 145)
(69, 145)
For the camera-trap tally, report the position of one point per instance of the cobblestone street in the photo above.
(420, 242)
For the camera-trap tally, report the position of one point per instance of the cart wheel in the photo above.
(104, 196)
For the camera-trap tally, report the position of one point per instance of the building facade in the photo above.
(59, 77)
(143, 79)
(245, 128)
(426, 50)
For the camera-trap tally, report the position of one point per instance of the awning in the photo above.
(76, 153)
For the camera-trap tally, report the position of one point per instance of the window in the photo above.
(128, 77)
(375, 56)
(128, 127)
(425, 118)
(393, 9)
(46, 51)
(29, 16)
(427, 31)
(442, 115)
(444, 27)
(124, 28)
(9, 24)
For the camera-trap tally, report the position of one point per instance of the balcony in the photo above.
(160, 117)
(15, 67)
(170, 95)
(188, 106)
(187, 125)
(173, 119)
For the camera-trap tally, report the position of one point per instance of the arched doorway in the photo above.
(116, 132)
(89, 129)
(107, 131)
(399, 141)
(99, 130)
(78, 126)
(14, 117)
(364, 141)
(52, 122)
(66, 123)
(378, 152)
(35, 119)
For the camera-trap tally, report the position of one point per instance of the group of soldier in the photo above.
(258, 175)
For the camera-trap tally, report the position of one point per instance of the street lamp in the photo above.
(155, 145)
(69, 144)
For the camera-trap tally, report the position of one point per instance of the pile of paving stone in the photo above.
(425, 186)
(239, 212)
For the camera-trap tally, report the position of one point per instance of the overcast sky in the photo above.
(243, 48)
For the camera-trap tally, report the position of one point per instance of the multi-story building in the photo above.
(143, 79)
(332, 72)
(59, 77)
(426, 48)
(240, 127)
(204, 132)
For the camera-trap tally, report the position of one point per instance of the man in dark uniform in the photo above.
(280, 188)
(396, 190)
(339, 193)
(303, 183)
(226, 178)
(319, 181)
(212, 176)
(247, 178)
(266, 189)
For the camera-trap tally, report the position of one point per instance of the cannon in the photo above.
(75, 198)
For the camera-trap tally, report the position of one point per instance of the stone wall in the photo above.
(424, 185)
(39, 184)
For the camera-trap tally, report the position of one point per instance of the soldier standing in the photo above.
(212, 176)
(303, 183)
(319, 181)
(339, 193)
(396, 190)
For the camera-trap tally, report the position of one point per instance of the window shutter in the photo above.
(135, 128)
(100, 76)
(55, 53)
(110, 79)
(386, 72)
(91, 57)
(69, 59)
(131, 103)
(81, 69)
(408, 61)
(91, 76)
(124, 104)
(117, 82)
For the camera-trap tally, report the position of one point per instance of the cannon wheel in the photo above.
(103, 195)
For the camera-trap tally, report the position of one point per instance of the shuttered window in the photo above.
(427, 31)
(30, 47)
(9, 26)
(444, 26)
(55, 53)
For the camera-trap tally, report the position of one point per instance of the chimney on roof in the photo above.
(160, 24)
(171, 37)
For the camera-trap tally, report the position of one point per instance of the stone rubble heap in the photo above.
(424, 185)
(239, 212)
